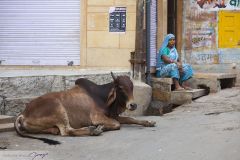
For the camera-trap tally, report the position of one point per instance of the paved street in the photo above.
(207, 129)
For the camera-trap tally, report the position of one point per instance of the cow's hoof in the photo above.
(95, 131)
(150, 124)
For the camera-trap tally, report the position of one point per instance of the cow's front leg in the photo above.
(107, 123)
(129, 120)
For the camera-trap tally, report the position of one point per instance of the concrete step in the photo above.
(186, 96)
(195, 93)
(6, 119)
(6, 127)
(214, 81)
(158, 107)
(214, 75)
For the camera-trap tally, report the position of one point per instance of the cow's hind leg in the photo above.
(66, 130)
(91, 130)
(54, 131)
(85, 131)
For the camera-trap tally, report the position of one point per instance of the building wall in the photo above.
(200, 37)
(200, 30)
(99, 47)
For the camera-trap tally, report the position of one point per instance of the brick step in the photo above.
(6, 127)
(6, 119)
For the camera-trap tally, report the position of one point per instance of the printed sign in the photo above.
(117, 19)
(215, 5)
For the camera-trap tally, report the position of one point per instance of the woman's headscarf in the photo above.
(164, 45)
(165, 42)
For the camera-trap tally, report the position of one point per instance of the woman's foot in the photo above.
(187, 88)
(179, 89)
(186, 85)
(177, 85)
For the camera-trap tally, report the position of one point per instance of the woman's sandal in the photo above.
(180, 89)
(188, 88)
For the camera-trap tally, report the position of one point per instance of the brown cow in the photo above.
(85, 109)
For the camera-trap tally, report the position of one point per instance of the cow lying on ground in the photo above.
(86, 109)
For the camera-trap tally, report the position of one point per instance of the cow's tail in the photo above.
(19, 129)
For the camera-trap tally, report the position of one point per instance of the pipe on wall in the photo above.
(148, 32)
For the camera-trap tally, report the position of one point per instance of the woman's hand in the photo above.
(167, 60)
(180, 67)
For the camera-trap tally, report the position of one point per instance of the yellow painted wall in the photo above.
(229, 29)
(99, 47)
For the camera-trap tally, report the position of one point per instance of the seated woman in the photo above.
(168, 64)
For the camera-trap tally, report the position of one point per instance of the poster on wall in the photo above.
(200, 34)
(117, 19)
(218, 4)
(200, 30)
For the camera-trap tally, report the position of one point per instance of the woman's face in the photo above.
(171, 42)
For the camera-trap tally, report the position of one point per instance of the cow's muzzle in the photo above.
(132, 106)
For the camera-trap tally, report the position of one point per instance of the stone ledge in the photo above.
(199, 75)
(6, 127)
(215, 75)
(181, 97)
(142, 96)
(6, 119)
(14, 106)
(195, 92)
(214, 81)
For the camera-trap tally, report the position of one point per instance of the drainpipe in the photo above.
(148, 32)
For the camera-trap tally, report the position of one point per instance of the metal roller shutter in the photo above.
(153, 38)
(40, 32)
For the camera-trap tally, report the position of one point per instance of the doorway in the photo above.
(172, 17)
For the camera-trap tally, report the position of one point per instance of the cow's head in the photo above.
(124, 93)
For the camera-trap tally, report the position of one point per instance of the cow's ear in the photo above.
(111, 96)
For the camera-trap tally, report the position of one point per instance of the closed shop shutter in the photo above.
(153, 38)
(40, 32)
(229, 29)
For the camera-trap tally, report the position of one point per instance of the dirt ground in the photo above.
(206, 129)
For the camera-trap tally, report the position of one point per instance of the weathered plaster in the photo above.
(200, 45)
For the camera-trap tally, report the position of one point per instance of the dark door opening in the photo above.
(172, 17)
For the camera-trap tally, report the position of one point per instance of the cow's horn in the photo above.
(114, 78)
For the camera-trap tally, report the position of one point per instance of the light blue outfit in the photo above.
(171, 70)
